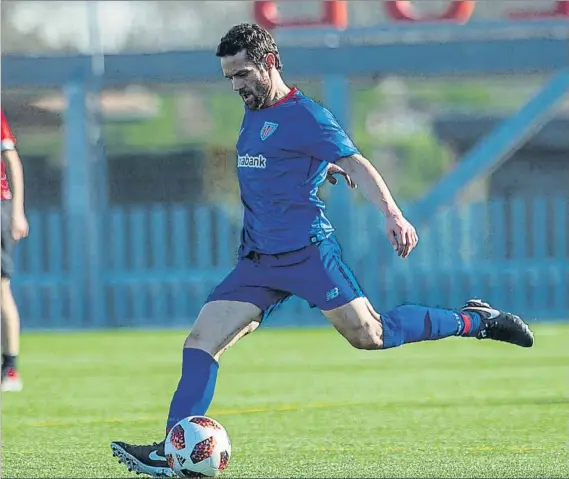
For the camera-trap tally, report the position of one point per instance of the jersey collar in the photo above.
(285, 98)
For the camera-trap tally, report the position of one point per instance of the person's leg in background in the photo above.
(11, 380)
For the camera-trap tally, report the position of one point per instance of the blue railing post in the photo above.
(76, 193)
(99, 211)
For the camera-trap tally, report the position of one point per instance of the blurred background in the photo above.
(127, 129)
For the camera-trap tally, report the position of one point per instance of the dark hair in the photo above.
(255, 40)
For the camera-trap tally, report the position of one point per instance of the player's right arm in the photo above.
(13, 162)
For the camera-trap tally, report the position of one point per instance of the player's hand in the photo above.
(336, 170)
(20, 227)
(401, 234)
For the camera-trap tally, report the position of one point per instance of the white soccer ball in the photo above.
(197, 446)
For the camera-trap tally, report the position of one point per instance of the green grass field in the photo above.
(299, 403)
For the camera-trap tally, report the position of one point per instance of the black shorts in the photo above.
(7, 240)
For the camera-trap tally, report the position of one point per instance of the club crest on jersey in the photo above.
(268, 129)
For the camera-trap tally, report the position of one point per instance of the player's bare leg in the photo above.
(220, 325)
(10, 339)
(364, 328)
(358, 322)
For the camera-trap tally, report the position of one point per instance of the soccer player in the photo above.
(14, 228)
(288, 146)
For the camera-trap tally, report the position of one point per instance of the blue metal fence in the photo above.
(156, 263)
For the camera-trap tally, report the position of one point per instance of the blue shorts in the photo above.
(315, 273)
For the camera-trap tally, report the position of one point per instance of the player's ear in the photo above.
(270, 60)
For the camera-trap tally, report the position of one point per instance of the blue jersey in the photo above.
(282, 156)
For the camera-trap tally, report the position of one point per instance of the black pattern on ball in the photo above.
(177, 437)
(203, 450)
(205, 422)
(224, 459)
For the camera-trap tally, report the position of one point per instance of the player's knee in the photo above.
(367, 337)
(358, 322)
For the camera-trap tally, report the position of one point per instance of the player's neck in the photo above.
(280, 90)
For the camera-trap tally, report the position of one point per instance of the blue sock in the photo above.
(196, 386)
(411, 324)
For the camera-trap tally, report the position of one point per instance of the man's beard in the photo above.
(256, 98)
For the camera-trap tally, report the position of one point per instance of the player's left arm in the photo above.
(358, 170)
(320, 136)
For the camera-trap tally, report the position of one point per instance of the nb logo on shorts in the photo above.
(333, 293)
(248, 161)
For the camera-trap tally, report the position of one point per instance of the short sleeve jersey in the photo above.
(283, 154)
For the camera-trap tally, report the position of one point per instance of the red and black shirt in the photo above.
(8, 143)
